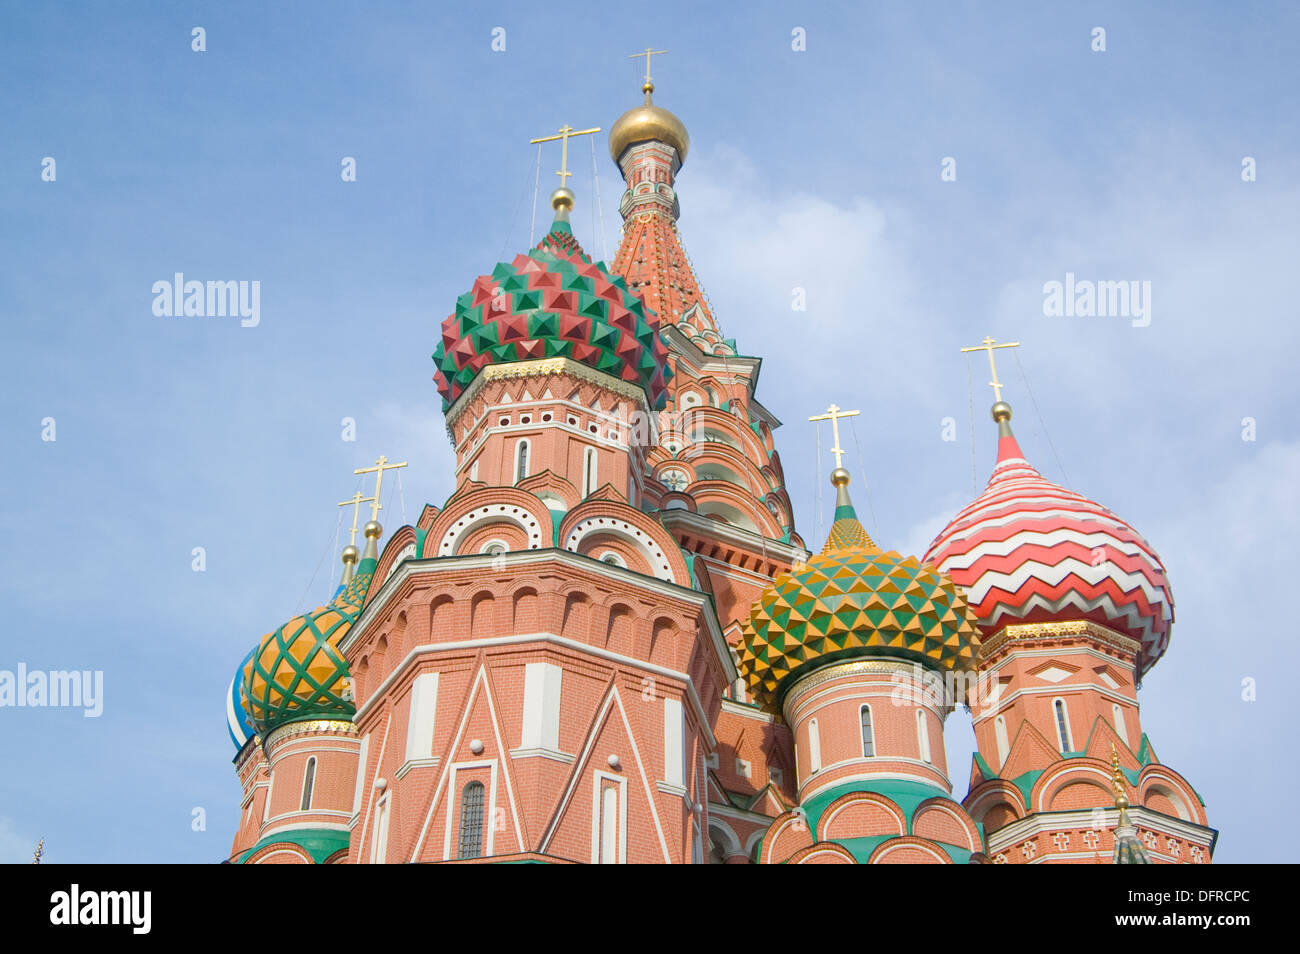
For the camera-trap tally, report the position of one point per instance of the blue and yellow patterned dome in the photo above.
(237, 721)
(297, 672)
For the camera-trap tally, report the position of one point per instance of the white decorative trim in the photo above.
(658, 560)
(409, 764)
(491, 513)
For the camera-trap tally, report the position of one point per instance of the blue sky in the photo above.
(817, 169)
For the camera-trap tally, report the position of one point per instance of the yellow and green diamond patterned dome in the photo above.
(297, 671)
(854, 600)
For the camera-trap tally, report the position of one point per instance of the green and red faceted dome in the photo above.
(553, 302)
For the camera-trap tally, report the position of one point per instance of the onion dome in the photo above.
(647, 123)
(552, 302)
(1027, 550)
(297, 673)
(237, 721)
(853, 600)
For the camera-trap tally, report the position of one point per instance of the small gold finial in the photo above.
(833, 414)
(40, 850)
(1117, 782)
(381, 465)
(647, 85)
(990, 345)
(372, 530)
(567, 132)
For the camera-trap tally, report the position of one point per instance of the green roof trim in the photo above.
(319, 843)
(986, 772)
(906, 794)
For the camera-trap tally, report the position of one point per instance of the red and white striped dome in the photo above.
(1027, 550)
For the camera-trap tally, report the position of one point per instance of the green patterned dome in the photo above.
(854, 600)
(297, 672)
(552, 302)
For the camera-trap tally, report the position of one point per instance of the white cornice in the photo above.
(745, 539)
(1083, 818)
(408, 568)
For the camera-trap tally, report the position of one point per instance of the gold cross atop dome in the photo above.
(355, 503)
(648, 52)
(381, 465)
(833, 414)
(990, 345)
(566, 132)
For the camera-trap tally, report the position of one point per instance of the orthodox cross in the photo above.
(833, 414)
(990, 346)
(647, 54)
(566, 131)
(356, 502)
(381, 465)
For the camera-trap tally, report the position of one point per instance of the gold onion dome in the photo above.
(849, 601)
(646, 123)
(298, 672)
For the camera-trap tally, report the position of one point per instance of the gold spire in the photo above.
(833, 414)
(648, 86)
(1001, 409)
(1117, 782)
(381, 465)
(648, 122)
(350, 552)
(562, 198)
(40, 850)
(846, 530)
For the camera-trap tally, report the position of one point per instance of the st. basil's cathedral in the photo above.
(610, 644)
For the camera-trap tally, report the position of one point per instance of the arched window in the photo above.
(1120, 727)
(1062, 725)
(521, 460)
(868, 741)
(922, 735)
(1000, 737)
(308, 783)
(814, 747)
(471, 821)
(588, 471)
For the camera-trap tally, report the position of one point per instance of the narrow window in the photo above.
(814, 747)
(1120, 727)
(922, 736)
(868, 743)
(308, 783)
(1062, 725)
(521, 461)
(471, 821)
(1000, 737)
(589, 472)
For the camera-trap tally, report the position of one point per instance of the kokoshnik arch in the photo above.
(611, 645)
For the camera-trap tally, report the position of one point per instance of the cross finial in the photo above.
(647, 53)
(355, 503)
(833, 414)
(566, 132)
(381, 465)
(990, 345)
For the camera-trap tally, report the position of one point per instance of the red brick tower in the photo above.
(1074, 607)
(715, 474)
